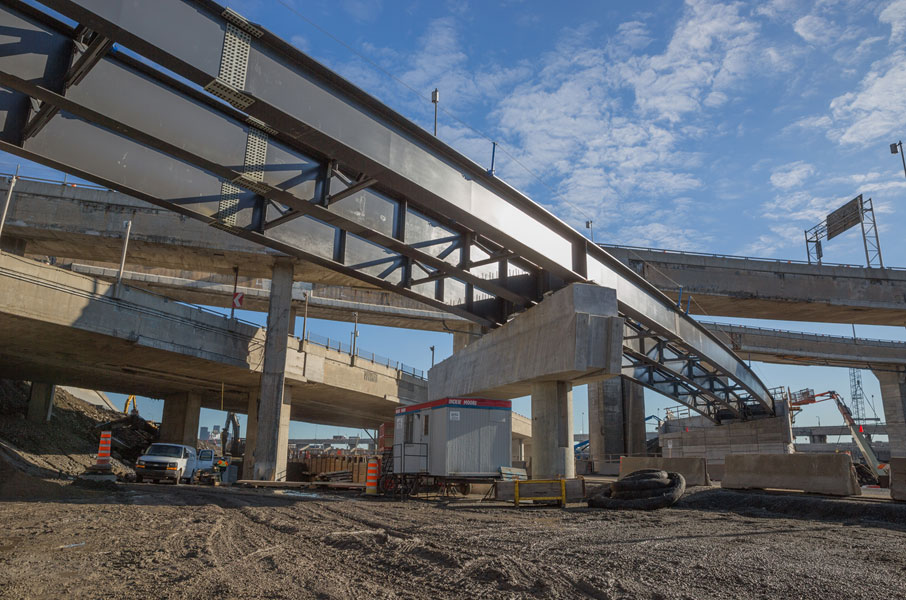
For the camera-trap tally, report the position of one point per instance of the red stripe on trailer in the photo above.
(463, 402)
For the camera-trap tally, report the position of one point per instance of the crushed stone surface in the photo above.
(155, 541)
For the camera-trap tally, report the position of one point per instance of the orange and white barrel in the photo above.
(371, 477)
(103, 460)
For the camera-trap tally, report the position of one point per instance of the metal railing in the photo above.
(376, 359)
(738, 257)
(800, 334)
(66, 181)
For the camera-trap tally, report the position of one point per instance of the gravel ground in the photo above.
(147, 541)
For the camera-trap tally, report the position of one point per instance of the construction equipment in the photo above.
(229, 444)
(131, 401)
(809, 397)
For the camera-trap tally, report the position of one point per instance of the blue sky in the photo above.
(701, 126)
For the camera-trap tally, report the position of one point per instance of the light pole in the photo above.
(435, 98)
(893, 150)
(432, 356)
(355, 333)
(590, 226)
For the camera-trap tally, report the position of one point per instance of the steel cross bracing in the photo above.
(259, 140)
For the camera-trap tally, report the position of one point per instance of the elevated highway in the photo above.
(786, 290)
(63, 328)
(339, 181)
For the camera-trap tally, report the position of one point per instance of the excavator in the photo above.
(229, 444)
(877, 468)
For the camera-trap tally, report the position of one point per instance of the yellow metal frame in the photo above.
(561, 498)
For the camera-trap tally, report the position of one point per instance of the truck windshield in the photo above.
(164, 450)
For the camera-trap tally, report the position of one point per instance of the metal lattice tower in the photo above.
(857, 396)
(870, 239)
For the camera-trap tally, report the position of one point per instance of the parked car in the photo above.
(167, 461)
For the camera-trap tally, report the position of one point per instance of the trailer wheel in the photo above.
(464, 489)
(387, 484)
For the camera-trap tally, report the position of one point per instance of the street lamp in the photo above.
(435, 98)
(432, 356)
(893, 150)
(589, 225)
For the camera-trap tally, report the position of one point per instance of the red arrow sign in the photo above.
(237, 299)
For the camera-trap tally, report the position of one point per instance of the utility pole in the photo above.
(435, 98)
(119, 275)
(9, 195)
(235, 287)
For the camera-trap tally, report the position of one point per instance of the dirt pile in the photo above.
(68, 444)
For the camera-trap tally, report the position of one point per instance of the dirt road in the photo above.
(146, 541)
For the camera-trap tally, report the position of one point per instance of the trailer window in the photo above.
(410, 424)
(425, 431)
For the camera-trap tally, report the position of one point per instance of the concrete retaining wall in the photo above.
(714, 443)
(898, 478)
(817, 473)
(695, 470)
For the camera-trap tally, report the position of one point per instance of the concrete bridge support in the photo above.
(179, 422)
(893, 393)
(271, 444)
(40, 401)
(616, 419)
(13, 245)
(552, 430)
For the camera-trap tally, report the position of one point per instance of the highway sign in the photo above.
(848, 215)
(237, 299)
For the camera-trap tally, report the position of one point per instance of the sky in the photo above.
(722, 127)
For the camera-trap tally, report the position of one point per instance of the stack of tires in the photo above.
(647, 489)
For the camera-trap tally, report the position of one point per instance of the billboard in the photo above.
(848, 215)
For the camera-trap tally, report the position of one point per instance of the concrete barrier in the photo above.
(694, 469)
(817, 473)
(898, 478)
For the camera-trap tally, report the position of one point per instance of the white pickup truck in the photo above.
(167, 461)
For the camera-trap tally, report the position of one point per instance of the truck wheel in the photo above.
(138, 479)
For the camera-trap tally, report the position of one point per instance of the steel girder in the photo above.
(293, 157)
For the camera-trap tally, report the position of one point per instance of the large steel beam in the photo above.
(338, 122)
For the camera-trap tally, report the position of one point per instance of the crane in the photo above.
(855, 430)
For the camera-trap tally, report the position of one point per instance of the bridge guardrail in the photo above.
(738, 257)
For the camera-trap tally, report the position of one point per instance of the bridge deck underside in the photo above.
(338, 180)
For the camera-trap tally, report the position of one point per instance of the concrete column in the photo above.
(616, 419)
(273, 408)
(517, 449)
(40, 401)
(179, 422)
(633, 417)
(893, 393)
(552, 430)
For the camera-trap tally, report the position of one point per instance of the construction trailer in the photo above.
(453, 438)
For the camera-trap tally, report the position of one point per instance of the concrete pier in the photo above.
(40, 401)
(552, 427)
(275, 397)
(893, 393)
(616, 419)
(179, 422)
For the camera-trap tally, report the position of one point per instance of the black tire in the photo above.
(645, 474)
(464, 489)
(138, 479)
(646, 500)
(634, 485)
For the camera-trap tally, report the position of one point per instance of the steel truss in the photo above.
(255, 138)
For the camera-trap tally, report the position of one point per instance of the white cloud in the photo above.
(876, 108)
(816, 30)
(791, 175)
(895, 16)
